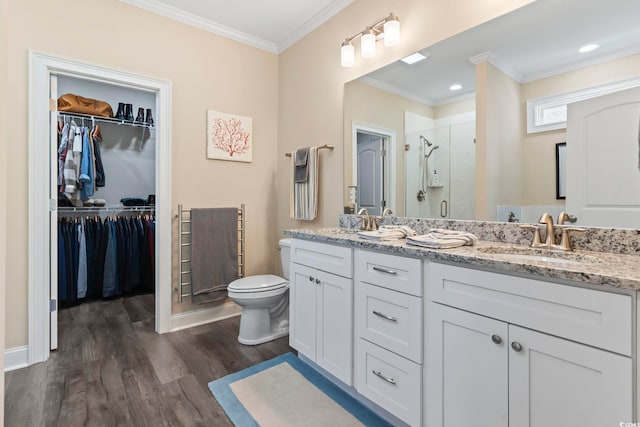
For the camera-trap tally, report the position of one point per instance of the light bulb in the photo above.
(392, 32)
(347, 55)
(368, 44)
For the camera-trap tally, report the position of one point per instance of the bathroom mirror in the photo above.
(424, 147)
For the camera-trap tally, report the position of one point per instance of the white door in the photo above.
(53, 217)
(466, 369)
(556, 382)
(603, 160)
(302, 310)
(335, 325)
(370, 173)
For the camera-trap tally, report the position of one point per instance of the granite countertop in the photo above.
(596, 268)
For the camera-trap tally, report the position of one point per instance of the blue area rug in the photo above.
(240, 416)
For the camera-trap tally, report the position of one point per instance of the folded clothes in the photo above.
(388, 232)
(438, 238)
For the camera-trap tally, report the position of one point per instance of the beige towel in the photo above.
(438, 238)
(303, 196)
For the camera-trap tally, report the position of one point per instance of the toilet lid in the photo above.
(263, 282)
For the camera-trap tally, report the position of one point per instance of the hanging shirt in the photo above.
(86, 167)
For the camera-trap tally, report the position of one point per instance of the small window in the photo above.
(550, 112)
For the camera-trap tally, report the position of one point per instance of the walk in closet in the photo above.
(105, 233)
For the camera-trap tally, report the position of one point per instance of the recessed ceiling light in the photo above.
(588, 48)
(413, 58)
(455, 87)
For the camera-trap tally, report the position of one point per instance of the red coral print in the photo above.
(230, 137)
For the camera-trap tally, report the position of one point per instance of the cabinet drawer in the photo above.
(390, 381)
(392, 320)
(390, 271)
(598, 318)
(331, 258)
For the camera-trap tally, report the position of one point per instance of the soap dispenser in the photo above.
(435, 179)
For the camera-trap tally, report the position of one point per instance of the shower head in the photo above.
(425, 140)
(435, 147)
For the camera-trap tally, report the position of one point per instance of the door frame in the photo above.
(389, 162)
(41, 67)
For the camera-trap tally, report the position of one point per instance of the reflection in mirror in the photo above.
(494, 100)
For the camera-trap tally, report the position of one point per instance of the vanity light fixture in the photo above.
(588, 48)
(455, 87)
(387, 29)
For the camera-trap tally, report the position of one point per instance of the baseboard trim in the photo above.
(16, 358)
(201, 316)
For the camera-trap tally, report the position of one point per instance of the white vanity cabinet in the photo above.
(321, 305)
(510, 351)
(388, 332)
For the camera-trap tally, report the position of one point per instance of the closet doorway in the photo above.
(136, 164)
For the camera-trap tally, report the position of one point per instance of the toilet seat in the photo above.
(256, 284)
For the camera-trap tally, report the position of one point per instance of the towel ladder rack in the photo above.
(184, 242)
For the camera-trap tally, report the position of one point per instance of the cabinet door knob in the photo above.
(318, 281)
(516, 346)
(310, 279)
(496, 339)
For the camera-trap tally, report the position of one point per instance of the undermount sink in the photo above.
(541, 255)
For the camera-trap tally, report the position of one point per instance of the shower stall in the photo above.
(440, 172)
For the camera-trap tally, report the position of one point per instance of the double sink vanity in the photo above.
(495, 334)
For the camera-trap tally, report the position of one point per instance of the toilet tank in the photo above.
(285, 256)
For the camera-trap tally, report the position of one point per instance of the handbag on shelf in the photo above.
(78, 104)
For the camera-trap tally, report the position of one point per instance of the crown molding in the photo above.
(331, 10)
(481, 57)
(456, 98)
(496, 62)
(395, 90)
(204, 24)
(582, 64)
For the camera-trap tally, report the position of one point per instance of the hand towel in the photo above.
(303, 196)
(214, 252)
(438, 238)
(302, 164)
(388, 232)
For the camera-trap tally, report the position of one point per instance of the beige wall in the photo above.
(206, 71)
(366, 104)
(3, 187)
(311, 81)
(454, 108)
(538, 171)
(498, 141)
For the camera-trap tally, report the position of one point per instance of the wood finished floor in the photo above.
(111, 369)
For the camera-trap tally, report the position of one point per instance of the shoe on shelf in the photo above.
(140, 116)
(120, 113)
(128, 112)
(149, 119)
(89, 202)
(99, 202)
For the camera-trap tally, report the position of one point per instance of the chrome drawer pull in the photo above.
(389, 380)
(385, 316)
(384, 270)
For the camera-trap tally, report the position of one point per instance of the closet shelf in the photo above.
(107, 209)
(105, 120)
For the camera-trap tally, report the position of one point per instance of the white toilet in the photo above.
(265, 302)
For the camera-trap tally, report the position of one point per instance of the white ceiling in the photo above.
(533, 42)
(272, 25)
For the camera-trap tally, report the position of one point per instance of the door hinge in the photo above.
(383, 153)
(53, 105)
(53, 204)
(407, 147)
(53, 305)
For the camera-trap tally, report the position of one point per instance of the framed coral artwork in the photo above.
(229, 137)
